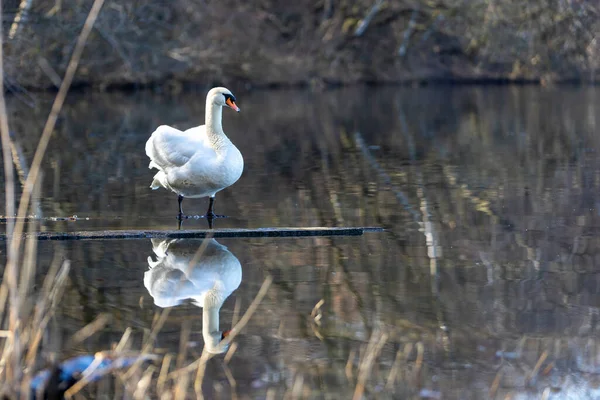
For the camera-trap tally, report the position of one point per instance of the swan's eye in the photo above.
(230, 101)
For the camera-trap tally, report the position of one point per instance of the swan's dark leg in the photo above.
(180, 215)
(210, 213)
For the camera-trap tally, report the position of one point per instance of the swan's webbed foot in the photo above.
(210, 214)
(210, 217)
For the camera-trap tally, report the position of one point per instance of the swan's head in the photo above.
(212, 342)
(223, 97)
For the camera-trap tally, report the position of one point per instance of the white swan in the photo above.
(208, 282)
(200, 161)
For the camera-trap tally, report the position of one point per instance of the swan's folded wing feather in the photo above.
(169, 147)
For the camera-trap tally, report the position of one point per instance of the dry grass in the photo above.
(27, 325)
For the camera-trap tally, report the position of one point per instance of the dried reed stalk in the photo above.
(14, 291)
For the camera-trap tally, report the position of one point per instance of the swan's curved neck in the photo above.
(214, 127)
(210, 319)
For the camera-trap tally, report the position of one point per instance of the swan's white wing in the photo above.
(170, 148)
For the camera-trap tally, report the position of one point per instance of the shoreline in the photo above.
(179, 85)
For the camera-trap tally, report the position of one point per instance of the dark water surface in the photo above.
(486, 283)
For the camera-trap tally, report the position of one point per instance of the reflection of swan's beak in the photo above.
(225, 334)
(232, 104)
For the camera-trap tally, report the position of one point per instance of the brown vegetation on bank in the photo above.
(277, 42)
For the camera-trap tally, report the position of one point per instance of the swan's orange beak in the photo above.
(226, 333)
(232, 105)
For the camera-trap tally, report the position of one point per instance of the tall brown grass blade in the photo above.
(200, 251)
(20, 18)
(124, 342)
(184, 338)
(548, 368)
(53, 289)
(28, 265)
(10, 272)
(181, 387)
(51, 122)
(12, 371)
(81, 383)
(9, 187)
(200, 373)
(393, 371)
(298, 385)
(236, 312)
(232, 382)
(378, 339)
(230, 353)
(538, 365)
(90, 329)
(546, 394)
(419, 362)
(349, 369)
(142, 386)
(249, 312)
(149, 341)
(495, 384)
(162, 375)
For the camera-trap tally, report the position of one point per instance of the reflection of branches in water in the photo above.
(402, 198)
(340, 266)
(468, 186)
(432, 237)
(200, 364)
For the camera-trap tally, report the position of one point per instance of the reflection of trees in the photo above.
(508, 178)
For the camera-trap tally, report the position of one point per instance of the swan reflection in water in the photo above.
(207, 279)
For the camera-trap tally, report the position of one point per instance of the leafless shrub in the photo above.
(276, 42)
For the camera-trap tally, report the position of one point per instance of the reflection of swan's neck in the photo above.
(210, 312)
(210, 323)
(210, 320)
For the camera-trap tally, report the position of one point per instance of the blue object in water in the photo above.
(64, 375)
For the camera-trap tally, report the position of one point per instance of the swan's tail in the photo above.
(152, 263)
(157, 182)
(155, 185)
(150, 151)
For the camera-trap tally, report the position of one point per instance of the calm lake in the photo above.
(485, 283)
